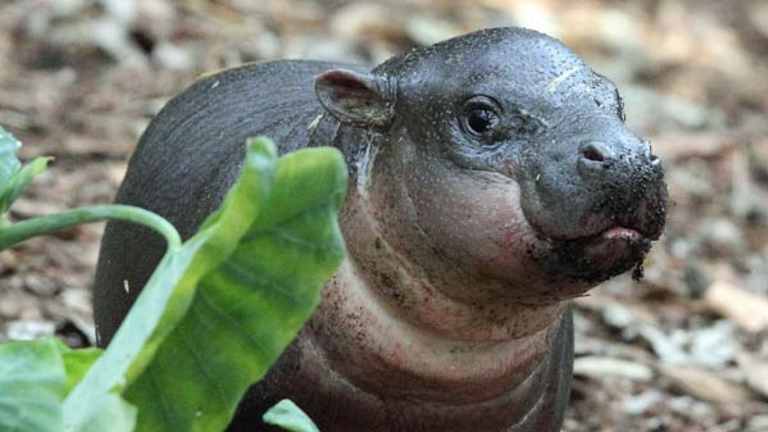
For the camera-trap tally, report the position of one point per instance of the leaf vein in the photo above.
(233, 322)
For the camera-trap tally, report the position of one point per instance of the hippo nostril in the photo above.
(592, 154)
(595, 151)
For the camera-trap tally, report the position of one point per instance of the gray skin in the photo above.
(492, 178)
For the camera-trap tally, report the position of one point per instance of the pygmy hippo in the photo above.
(492, 179)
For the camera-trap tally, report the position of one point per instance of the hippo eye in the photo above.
(481, 120)
(480, 117)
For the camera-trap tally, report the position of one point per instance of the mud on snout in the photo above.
(607, 213)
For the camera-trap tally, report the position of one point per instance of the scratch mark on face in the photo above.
(313, 125)
(552, 87)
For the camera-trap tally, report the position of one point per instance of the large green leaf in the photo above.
(32, 386)
(220, 309)
(215, 315)
(252, 305)
(168, 295)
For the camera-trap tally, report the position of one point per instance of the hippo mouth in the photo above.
(608, 238)
(598, 257)
(616, 249)
(610, 243)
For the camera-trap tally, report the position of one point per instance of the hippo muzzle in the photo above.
(598, 197)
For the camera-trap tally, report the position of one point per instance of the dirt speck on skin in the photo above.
(700, 95)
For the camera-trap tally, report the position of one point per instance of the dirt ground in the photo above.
(685, 349)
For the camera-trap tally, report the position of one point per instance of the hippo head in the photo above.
(499, 163)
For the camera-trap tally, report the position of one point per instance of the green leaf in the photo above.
(249, 308)
(167, 296)
(9, 164)
(36, 375)
(13, 178)
(289, 417)
(114, 415)
(219, 309)
(32, 386)
(76, 362)
(21, 180)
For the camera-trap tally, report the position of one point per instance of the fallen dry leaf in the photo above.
(748, 310)
(705, 384)
(756, 373)
(599, 367)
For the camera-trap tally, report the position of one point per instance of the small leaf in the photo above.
(13, 178)
(9, 163)
(21, 180)
(32, 386)
(289, 417)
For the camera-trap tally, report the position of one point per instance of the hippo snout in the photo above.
(599, 198)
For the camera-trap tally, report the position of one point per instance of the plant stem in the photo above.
(13, 234)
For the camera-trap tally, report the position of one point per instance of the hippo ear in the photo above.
(356, 98)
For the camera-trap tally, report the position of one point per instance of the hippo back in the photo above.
(189, 157)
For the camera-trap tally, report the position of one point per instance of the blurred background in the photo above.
(683, 350)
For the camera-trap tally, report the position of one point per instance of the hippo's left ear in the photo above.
(357, 98)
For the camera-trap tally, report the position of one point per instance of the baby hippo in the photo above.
(492, 179)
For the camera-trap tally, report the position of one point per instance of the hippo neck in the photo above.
(379, 373)
(414, 293)
(395, 376)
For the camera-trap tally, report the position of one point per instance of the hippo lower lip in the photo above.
(597, 257)
(612, 246)
(621, 233)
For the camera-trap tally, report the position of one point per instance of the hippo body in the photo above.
(491, 180)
